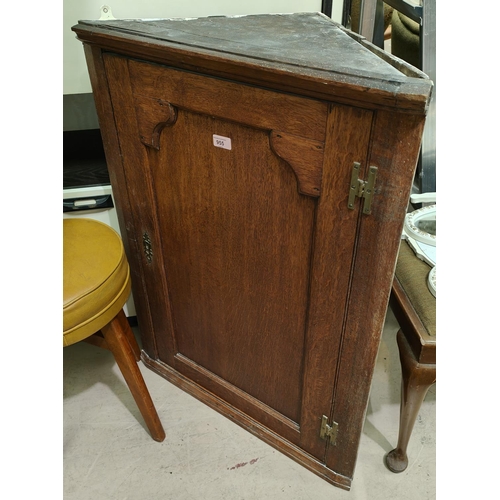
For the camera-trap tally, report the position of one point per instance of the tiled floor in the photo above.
(109, 455)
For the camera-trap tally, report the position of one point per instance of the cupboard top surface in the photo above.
(296, 48)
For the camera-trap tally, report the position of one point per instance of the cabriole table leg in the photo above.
(416, 381)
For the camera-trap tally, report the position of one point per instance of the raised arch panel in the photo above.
(232, 285)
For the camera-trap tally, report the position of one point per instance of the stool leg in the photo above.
(416, 381)
(125, 327)
(119, 337)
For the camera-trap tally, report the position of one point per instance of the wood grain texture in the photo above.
(394, 151)
(121, 342)
(348, 133)
(251, 406)
(304, 156)
(238, 298)
(152, 116)
(422, 344)
(416, 380)
(142, 216)
(253, 426)
(119, 182)
(259, 297)
(223, 99)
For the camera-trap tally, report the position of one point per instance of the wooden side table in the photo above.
(415, 309)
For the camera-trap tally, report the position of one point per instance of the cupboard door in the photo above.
(242, 201)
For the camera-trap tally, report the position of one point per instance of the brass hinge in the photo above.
(328, 431)
(362, 189)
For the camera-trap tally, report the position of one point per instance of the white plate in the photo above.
(413, 221)
(431, 281)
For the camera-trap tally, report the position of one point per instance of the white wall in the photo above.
(337, 7)
(75, 77)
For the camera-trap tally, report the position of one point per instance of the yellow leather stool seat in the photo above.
(96, 282)
(96, 285)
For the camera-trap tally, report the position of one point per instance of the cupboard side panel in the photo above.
(394, 150)
(111, 143)
(142, 207)
(348, 133)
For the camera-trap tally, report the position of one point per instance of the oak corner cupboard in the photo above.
(261, 167)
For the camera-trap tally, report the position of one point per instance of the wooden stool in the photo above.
(415, 309)
(96, 286)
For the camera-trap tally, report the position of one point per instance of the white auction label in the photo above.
(222, 142)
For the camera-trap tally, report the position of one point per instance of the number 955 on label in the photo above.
(222, 142)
